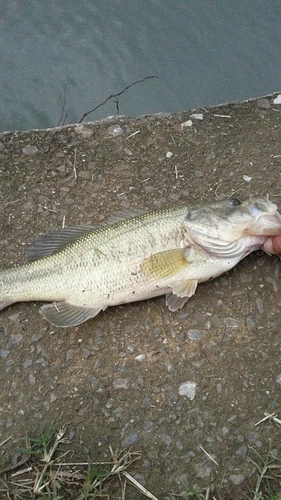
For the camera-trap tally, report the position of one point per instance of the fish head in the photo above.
(222, 223)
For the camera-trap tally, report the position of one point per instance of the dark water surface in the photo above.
(204, 53)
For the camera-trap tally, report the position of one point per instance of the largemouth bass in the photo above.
(83, 270)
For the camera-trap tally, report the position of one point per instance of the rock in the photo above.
(94, 381)
(87, 132)
(197, 116)
(277, 99)
(263, 104)
(203, 471)
(115, 130)
(231, 323)
(196, 334)
(242, 451)
(140, 357)
(121, 383)
(30, 150)
(4, 354)
(188, 123)
(130, 440)
(188, 389)
(167, 439)
(237, 479)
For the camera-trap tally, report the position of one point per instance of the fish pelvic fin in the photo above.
(180, 294)
(64, 314)
(165, 264)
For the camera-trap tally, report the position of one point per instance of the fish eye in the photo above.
(233, 202)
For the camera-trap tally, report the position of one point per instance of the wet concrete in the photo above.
(116, 379)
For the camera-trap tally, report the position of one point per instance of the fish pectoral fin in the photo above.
(164, 264)
(54, 241)
(181, 293)
(65, 314)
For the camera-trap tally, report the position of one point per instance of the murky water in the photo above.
(203, 53)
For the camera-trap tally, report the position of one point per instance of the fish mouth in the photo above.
(266, 225)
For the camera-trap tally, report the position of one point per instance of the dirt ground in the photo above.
(115, 379)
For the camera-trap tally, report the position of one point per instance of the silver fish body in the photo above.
(84, 270)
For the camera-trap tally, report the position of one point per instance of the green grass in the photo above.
(45, 473)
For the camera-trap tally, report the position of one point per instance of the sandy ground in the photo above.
(115, 379)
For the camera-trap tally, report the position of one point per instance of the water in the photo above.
(203, 53)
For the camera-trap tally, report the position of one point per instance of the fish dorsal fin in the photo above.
(54, 241)
(122, 215)
(164, 264)
(65, 314)
(182, 290)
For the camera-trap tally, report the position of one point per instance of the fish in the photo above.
(82, 270)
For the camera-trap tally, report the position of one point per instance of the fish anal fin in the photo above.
(65, 314)
(54, 241)
(181, 293)
(164, 264)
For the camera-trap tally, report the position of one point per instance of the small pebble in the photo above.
(197, 116)
(169, 154)
(242, 451)
(277, 99)
(237, 479)
(188, 389)
(167, 439)
(27, 363)
(14, 317)
(30, 150)
(140, 357)
(4, 354)
(231, 323)
(121, 383)
(278, 379)
(263, 103)
(188, 123)
(130, 440)
(53, 397)
(93, 381)
(203, 471)
(115, 130)
(196, 334)
(87, 132)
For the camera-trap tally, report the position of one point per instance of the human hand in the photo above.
(273, 245)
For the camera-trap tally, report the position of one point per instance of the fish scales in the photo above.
(168, 251)
(99, 260)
